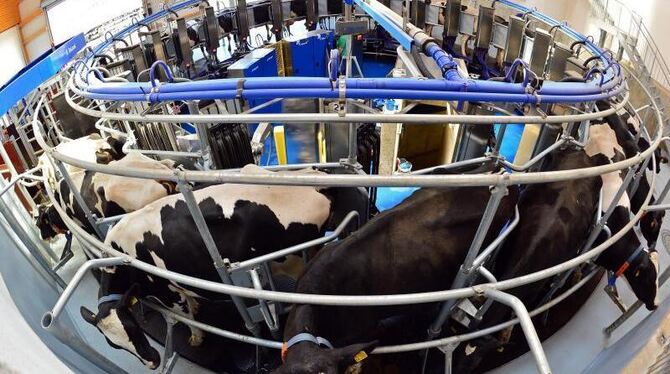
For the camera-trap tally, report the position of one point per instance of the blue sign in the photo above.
(39, 71)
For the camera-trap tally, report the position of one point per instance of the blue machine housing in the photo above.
(309, 53)
(261, 62)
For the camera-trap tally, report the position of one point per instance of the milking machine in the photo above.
(498, 82)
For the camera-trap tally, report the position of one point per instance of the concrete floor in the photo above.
(15, 357)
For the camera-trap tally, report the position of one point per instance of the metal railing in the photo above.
(355, 180)
(492, 290)
(635, 39)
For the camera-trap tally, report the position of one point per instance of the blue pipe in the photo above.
(358, 94)
(549, 88)
(454, 87)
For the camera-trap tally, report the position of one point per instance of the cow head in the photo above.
(650, 225)
(117, 147)
(642, 276)
(309, 358)
(49, 222)
(111, 150)
(120, 328)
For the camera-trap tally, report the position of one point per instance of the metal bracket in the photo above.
(613, 293)
(267, 309)
(448, 350)
(342, 103)
(170, 356)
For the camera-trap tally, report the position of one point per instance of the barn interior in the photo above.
(259, 186)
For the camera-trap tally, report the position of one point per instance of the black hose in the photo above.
(416, 56)
(588, 60)
(573, 79)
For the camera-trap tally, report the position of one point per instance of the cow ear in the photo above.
(87, 315)
(354, 353)
(129, 298)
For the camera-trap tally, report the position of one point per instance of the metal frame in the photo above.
(491, 290)
(474, 259)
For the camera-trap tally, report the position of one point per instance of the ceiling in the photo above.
(9, 14)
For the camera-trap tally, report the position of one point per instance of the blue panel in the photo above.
(389, 197)
(38, 71)
(323, 40)
(302, 56)
(309, 52)
(264, 66)
(511, 140)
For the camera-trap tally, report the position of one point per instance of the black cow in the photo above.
(226, 22)
(244, 220)
(106, 195)
(555, 220)
(415, 247)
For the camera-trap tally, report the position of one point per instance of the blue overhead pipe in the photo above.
(453, 84)
(157, 96)
(549, 88)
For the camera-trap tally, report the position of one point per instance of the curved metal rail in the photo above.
(491, 290)
(372, 300)
(451, 88)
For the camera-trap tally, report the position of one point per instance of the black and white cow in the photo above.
(106, 195)
(244, 220)
(650, 223)
(555, 221)
(607, 139)
(417, 246)
(91, 148)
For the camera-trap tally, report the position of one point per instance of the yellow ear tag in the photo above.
(133, 301)
(360, 356)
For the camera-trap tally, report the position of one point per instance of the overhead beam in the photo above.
(34, 35)
(36, 13)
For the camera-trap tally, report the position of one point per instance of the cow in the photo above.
(245, 221)
(604, 140)
(555, 221)
(417, 246)
(650, 223)
(106, 195)
(90, 148)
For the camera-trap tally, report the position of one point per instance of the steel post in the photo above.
(170, 356)
(352, 131)
(219, 264)
(90, 217)
(526, 324)
(465, 272)
(203, 135)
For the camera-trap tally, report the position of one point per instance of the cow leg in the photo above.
(187, 306)
(196, 334)
(183, 308)
(193, 304)
(196, 338)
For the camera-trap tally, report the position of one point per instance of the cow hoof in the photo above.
(195, 340)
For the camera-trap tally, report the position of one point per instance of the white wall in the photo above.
(656, 16)
(12, 56)
(37, 27)
(71, 17)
